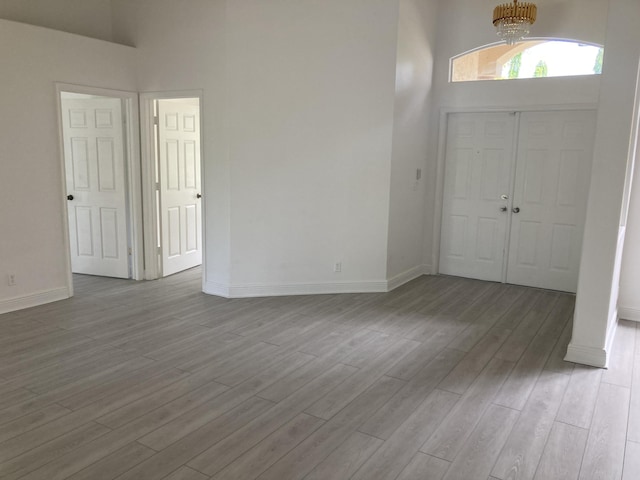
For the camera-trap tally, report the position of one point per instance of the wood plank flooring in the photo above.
(443, 378)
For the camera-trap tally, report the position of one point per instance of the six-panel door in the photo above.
(555, 151)
(95, 178)
(179, 158)
(477, 178)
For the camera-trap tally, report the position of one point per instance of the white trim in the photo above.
(217, 289)
(611, 334)
(628, 313)
(406, 277)
(34, 299)
(249, 291)
(593, 356)
(132, 161)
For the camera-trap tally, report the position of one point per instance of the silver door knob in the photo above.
(515, 210)
(504, 197)
(503, 209)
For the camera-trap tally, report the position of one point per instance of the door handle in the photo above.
(516, 210)
(503, 209)
(198, 195)
(69, 197)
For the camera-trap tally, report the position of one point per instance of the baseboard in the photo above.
(33, 299)
(217, 289)
(595, 357)
(628, 313)
(248, 291)
(407, 276)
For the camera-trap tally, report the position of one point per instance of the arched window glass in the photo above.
(528, 59)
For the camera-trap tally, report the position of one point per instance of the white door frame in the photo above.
(442, 142)
(132, 168)
(148, 148)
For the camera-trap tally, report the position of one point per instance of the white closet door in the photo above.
(477, 177)
(555, 151)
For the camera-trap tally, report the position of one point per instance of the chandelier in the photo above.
(513, 20)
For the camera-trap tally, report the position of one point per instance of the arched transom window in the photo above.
(528, 59)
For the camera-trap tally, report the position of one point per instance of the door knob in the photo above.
(516, 210)
(198, 195)
(503, 209)
(69, 197)
(504, 197)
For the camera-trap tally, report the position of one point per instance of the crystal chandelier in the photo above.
(513, 20)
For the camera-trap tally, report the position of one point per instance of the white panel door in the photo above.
(555, 151)
(479, 155)
(96, 186)
(179, 158)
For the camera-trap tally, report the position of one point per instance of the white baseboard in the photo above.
(628, 313)
(217, 289)
(595, 357)
(33, 299)
(407, 276)
(247, 291)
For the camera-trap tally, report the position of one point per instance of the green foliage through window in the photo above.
(541, 70)
(515, 64)
(597, 67)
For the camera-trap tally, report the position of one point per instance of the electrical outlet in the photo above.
(11, 279)
(337, 268)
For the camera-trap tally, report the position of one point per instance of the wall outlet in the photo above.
(11, 279)
(337, 268)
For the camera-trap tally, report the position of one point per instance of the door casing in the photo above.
(132, 166)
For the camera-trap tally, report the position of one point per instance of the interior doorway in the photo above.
(100, 164)
(172, 150)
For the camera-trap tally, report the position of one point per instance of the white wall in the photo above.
(298, 114)
(414, 78)
(31, 194)
(596, 303)
(91, 18)
(310, 124)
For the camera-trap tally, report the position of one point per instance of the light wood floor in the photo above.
(443, 378)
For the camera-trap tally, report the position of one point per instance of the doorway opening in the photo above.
(98, 145)
(172, 182)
